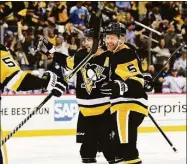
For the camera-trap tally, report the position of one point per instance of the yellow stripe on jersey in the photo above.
(15, 82)
(132, 161)
(129, 106)
(70, 62)
(106, 64)
(93, 111)
(123, 126)
(128, 69)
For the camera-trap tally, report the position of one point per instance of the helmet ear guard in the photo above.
(121, 39)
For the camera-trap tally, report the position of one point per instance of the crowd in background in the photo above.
(63, 24)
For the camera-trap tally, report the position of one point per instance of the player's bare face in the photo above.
(111, 42)
(88, 43)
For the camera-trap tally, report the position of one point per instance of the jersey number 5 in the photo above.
(9, 62)
(131, 68)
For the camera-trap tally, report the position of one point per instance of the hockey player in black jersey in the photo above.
(93, 125)
(127, 94)
(12, 77)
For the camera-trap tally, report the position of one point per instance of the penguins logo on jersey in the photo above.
(91, 75)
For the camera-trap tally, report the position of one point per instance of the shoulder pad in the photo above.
(81, 52)
(131, 46)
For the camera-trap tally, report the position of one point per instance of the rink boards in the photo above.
(59, 115)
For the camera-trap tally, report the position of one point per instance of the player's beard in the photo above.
(111, 47)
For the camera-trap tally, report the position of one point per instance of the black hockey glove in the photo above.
(46, 47)
(148, 83)
(116, 87)
(55, 84)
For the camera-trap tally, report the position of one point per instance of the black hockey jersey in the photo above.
(125, 66)
(13, 77)
(89, 80)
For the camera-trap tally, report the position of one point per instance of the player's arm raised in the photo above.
(18, 80)
(48, 49)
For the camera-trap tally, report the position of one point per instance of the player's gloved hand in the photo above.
(46, 47)
(116, 87)
(55, 84)
(148, 83)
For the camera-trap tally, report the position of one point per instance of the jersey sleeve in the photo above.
(127, 66)
(16, 79)
(64, 61)
(70, 62)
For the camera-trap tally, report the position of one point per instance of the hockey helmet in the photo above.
(115, 28)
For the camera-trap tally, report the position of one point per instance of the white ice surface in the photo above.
(63, 149)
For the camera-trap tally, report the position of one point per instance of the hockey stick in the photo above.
(180, 47)
(150, 116)
(162, 132)
(96, 38)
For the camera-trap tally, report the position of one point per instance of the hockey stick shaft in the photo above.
(161, 131)
(168, 60)
(148, 28)
(80, 65)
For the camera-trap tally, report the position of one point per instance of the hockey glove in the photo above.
(148, 83)
(46, 47)
(116, 87)
(55, 84)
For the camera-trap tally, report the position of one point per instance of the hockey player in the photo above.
(127, 94)
(93, 125)
(12, 77)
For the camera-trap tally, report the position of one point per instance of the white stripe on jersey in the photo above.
(122, 99)
(93, 101)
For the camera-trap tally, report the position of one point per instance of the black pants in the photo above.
(1, 157)
(125, 128)
(94, 130)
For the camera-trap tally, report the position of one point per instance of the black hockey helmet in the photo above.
(115, 28)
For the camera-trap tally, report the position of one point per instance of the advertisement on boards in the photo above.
(65, 110)
(61, 114)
